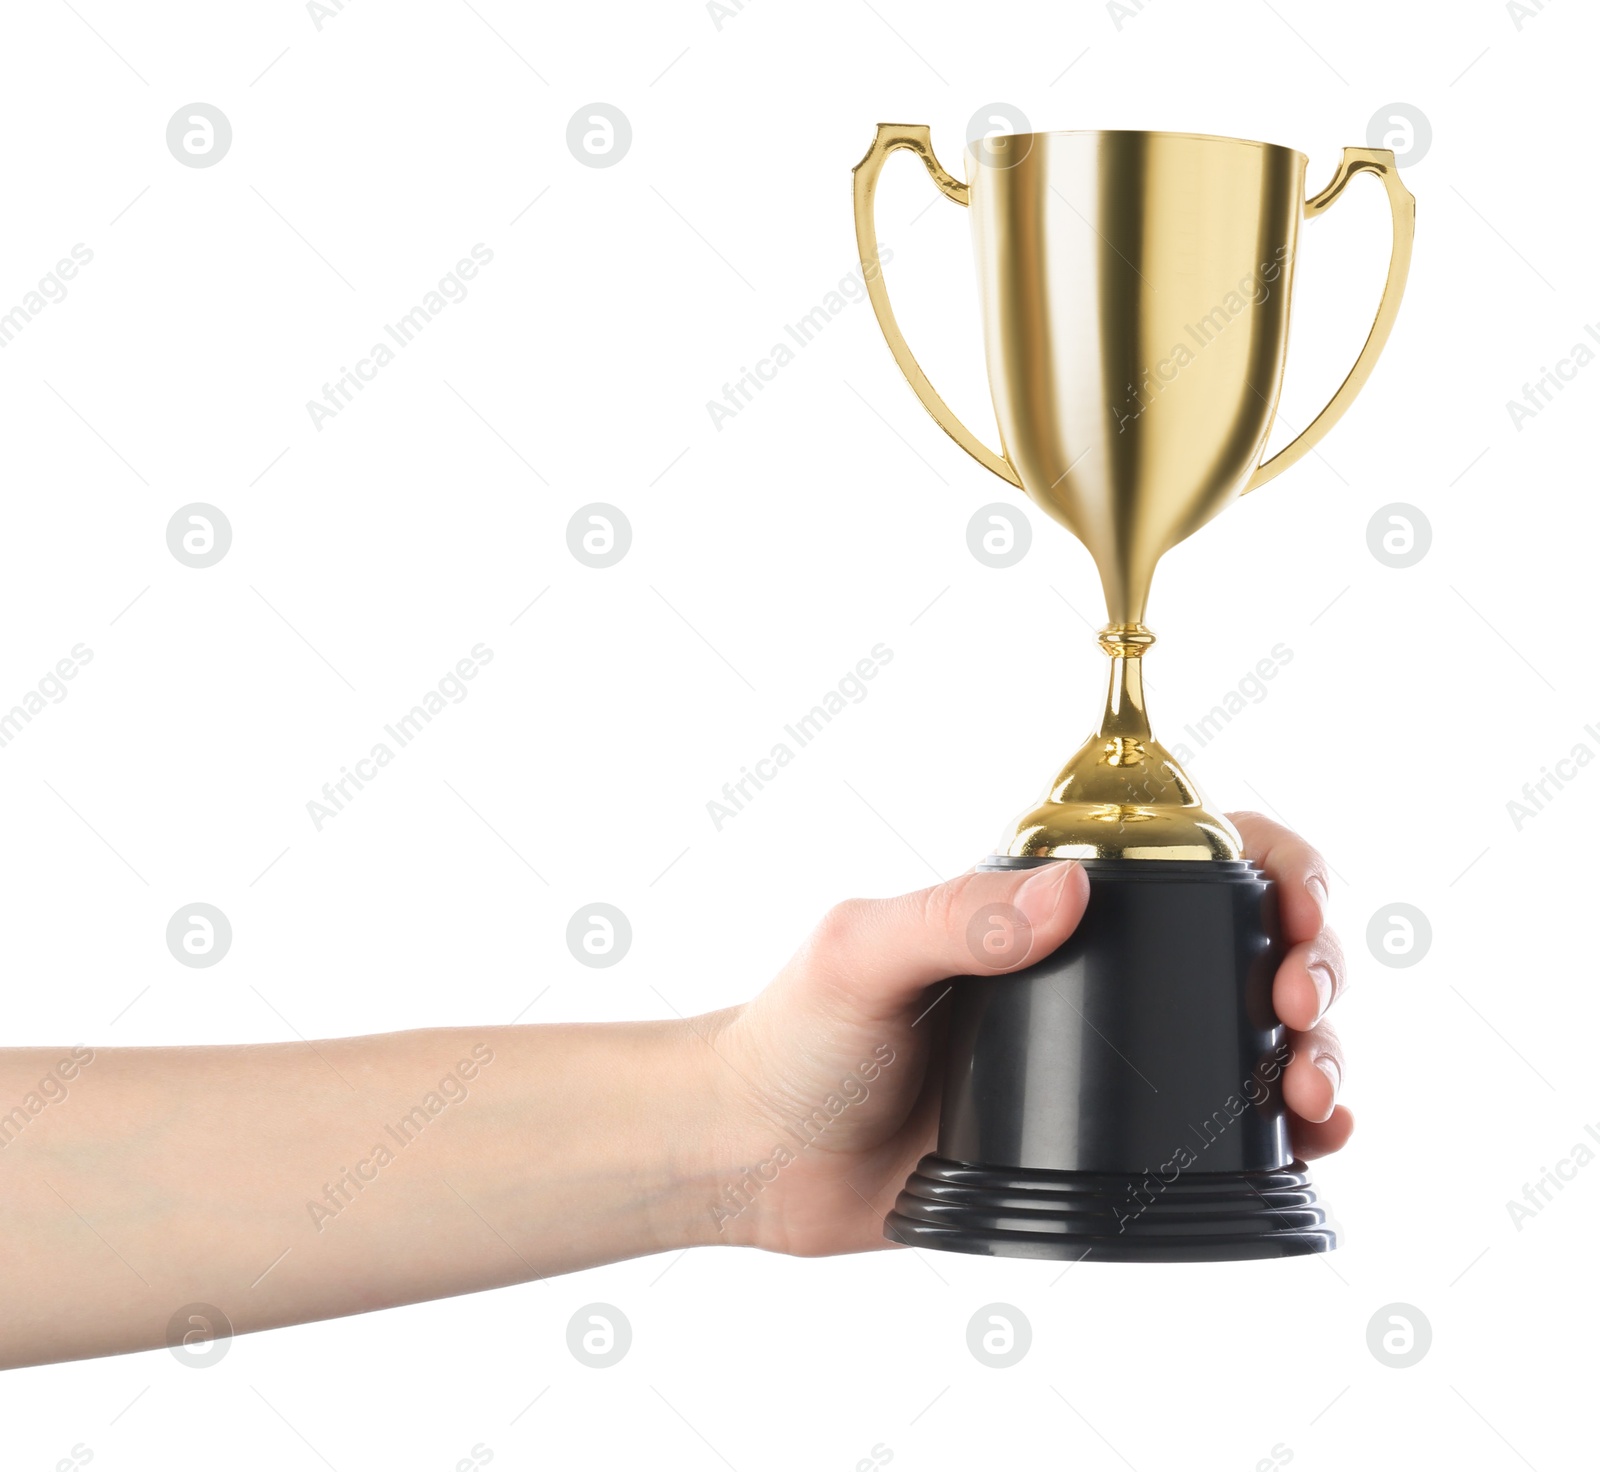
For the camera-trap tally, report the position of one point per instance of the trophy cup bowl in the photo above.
(1122, 1099)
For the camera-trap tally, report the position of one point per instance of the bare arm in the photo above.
(287, 1182)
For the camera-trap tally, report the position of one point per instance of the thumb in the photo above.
(885, 953)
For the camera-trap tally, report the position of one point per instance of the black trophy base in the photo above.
(1078, 1215)
(1122, 1099)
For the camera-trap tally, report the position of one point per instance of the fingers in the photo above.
(1311, 1081)
(1294, 866)
(885, 953)
(1317, 1126)
(1310, 978)
(1308, 1141)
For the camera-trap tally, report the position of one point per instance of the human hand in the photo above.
(833, 1074)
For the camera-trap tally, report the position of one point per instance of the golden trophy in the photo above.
(1122, 1099)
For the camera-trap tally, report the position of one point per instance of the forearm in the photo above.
(289, 1182)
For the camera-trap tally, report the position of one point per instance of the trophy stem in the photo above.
(1122, 795)
(1125, 726)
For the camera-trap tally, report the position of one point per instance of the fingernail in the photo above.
(1322, 979)
(1330, 1070)
(1040, 894)
(1319, 891)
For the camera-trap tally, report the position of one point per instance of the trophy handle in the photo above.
(914, 136)
(1403, 206)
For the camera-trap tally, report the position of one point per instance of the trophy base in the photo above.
(1122, 1099)
(1077, 1215)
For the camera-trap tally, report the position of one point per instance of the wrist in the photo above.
(697, 1125)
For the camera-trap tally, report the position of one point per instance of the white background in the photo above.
(768, 557)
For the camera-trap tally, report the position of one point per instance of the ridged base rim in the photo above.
(1073, 1215)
